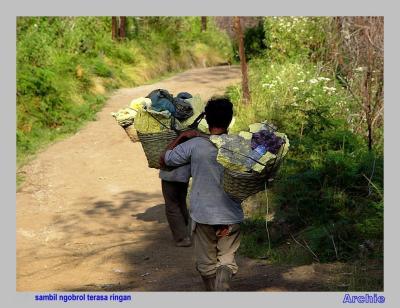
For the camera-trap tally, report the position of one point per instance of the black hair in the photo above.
(219, 112)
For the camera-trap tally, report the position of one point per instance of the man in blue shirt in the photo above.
(215, 216)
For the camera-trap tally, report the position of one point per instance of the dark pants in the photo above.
(175, 208)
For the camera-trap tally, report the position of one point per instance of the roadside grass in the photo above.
(68, 67)
(366, 275)
(40, 138)
(358, 276)
(363, 275)
(257, 243)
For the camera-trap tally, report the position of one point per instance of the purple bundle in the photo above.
(268, 139)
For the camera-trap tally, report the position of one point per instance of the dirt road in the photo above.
(90, 214)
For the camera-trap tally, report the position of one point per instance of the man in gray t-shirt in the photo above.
(216, 217)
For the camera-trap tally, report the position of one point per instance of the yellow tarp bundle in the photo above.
(234, 150)
(125, 116)
(146, 122)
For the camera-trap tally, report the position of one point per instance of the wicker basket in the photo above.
(241, 185)
(132, 133)
(154, 144)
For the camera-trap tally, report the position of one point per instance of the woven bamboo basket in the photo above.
(132, 133)
(154, 144)
(241, 185)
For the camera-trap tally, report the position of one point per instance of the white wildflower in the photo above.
(329, 89)
(295, 88)
(268, 85)
(313, 80)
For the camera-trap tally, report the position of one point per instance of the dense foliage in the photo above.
(329, 194)
(67, 65)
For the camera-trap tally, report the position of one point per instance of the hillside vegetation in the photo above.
(327, 202)
(67, 66)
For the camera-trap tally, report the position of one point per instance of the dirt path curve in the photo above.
(90, 214)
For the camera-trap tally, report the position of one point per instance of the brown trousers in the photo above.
(212, 251)
(175, 208)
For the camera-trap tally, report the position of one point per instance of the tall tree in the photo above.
(122, 27)
(203, 23)
(114, 26)
(242, 55)
(359, 60)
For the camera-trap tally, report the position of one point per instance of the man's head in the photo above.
(219, 112)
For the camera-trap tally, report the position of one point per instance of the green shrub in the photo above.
(254, 41)
(60, 60)
(101, 69)
(295, 38)
(329, 190)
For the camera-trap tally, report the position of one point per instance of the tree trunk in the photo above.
(243, 63)
(114, 27)
(360, 45)
(203, 23)
(370, 138)
(122, 27)
(368, 105)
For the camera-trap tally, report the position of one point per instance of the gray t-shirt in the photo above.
(179, 174)
(209, 204)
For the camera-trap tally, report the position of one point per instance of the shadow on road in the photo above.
(131, 244)
(155, 213)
